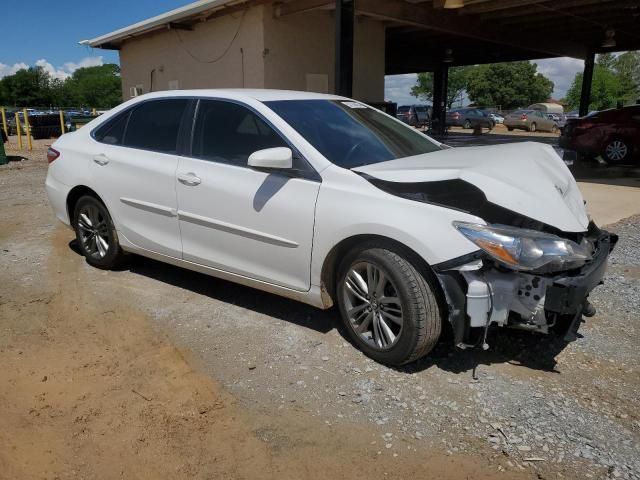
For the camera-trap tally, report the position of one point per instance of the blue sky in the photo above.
(47, 32)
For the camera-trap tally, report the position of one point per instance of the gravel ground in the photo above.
(530, 404)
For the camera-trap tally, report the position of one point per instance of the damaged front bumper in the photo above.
(480, 292)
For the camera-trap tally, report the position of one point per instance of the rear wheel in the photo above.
(510, 129)
(533, 127)
(95, 233)
(389, 309)
(467, 124)
(554, 129)
(617, 151)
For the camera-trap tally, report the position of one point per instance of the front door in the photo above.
(254, 223)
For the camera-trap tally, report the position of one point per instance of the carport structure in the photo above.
(433, 35)
(347, 46)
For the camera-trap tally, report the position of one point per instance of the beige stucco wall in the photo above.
(278, 53)
(304, 43)
(172, 51)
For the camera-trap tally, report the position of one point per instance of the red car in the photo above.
(613, 134)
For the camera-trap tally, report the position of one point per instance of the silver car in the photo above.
(530, 120)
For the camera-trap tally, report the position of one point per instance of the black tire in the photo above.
(87, 234)
(467, 124)
(616, 151)
(533, 127)
(421, 321)
(510, 129)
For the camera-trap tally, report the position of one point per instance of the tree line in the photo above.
(616, 80)
(97, 87)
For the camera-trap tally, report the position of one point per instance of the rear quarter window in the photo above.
(155, 125)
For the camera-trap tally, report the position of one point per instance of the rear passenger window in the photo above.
(226, 132)
(154, 125)
(112, 132)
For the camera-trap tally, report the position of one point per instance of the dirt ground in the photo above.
(156, 372)
(90, 390)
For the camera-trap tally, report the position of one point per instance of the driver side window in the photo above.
(226, 132)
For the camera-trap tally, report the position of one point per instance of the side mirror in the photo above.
(273, 158)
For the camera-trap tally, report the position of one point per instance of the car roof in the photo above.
(261, 95)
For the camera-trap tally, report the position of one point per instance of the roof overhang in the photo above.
(181, 18)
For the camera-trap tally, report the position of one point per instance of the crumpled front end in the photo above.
(482, 291)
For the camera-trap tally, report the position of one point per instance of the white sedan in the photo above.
(328, 201)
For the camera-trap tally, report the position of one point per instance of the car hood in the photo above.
(527, 178)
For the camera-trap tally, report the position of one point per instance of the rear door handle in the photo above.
(189, 179)
(101, 159)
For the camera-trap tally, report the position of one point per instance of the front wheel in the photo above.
(388, 307)
(616, 151)
(467, 124)
(96, 234)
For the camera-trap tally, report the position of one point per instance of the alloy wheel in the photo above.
(372, 305)
(94, 231)
(616, 151)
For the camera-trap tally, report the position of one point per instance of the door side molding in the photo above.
(236, 230)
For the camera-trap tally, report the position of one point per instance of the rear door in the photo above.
(133, 169)
(250, 222)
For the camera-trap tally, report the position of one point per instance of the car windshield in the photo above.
(350, 134)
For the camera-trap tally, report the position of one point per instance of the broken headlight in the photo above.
(523, 249)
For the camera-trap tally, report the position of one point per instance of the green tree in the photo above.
(508, 85)
(90, 87)
(627, 67)
(27, 87)
(95, 86)
(605, 89)
(606, 60)
(458, 77)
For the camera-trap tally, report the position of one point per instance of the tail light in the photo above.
(523, 116)
(584, 125)
(52, 154)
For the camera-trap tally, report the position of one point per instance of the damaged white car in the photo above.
(328, 201)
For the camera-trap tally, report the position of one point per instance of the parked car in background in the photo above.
(530, 120)
(468, 118)
(572, 114)
(613, 134)
(414, 115)
(245, 185)
(497, 118)
(559, 118)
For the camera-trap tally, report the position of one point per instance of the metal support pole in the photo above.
(587, 80)
(61, 122)
(27, 128)
(19, 131)
(440, 81)
(436, 119)
(344, 47)
(445, 96)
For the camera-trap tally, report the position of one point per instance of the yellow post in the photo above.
(27, 128)
(4, 122)
(61, 122)
(19, 131)
(94, 112)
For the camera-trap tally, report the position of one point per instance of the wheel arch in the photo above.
(74, 195)
(332, 261)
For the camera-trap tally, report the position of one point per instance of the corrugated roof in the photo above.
(194, 9)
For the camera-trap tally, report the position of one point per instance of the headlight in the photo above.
(523, 249)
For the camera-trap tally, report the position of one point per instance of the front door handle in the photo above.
(101, 159)
(189, 179)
